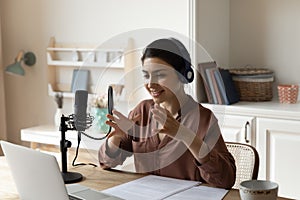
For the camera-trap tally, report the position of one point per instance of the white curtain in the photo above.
(3, 134)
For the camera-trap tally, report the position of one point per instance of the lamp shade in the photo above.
(15, 69)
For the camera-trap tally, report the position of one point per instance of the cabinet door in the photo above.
(278, 143)
(237, 128)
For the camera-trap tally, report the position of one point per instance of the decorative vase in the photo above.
(57, 116)
(100, 119)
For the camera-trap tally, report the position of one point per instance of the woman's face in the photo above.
(161, 80)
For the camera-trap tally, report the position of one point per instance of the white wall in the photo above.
(29, 24)
(212, 36)
(213, 29)
(266, 33)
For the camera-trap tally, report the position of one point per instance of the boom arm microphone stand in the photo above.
(67, 123)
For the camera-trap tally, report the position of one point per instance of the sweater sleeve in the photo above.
(220, 169)
(110, 160)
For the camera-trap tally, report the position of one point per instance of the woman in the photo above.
(170, 134)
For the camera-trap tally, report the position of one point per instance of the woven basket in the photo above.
(288, 93)
(253, 84)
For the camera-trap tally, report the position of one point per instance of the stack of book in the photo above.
(218, 84)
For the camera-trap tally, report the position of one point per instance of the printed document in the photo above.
(153, 187)
(200, 193)
(150, 187)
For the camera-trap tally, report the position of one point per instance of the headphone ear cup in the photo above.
(189, 74)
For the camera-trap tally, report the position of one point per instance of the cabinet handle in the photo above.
(247, 128)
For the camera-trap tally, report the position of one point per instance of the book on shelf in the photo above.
(221, 87)
(215, 86)
(200, 93)
(210, 85)
(230, 89)
(202, 69)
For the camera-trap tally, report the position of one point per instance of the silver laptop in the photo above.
(37, 176)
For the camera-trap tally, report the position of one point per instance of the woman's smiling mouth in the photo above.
(156, 93)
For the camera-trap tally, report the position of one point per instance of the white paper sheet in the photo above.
(200, 193)
(150, 187)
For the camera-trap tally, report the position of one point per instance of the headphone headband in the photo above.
(187, 72)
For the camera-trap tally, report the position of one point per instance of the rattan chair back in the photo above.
(246, 161)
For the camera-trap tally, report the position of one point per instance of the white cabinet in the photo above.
(278, 143)
(236, 128)
(274, 131)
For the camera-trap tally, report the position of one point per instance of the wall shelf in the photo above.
(64, 58)
(85, 58)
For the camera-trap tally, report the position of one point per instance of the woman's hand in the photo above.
(121, 125)
(170, 126)
(120, 122)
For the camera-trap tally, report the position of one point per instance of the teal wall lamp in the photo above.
(16, 68)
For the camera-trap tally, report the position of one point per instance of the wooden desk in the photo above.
(94, 177)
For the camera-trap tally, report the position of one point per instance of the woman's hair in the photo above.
(173, 52)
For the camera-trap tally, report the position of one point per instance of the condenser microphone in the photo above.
(80, 105)
(82, 120)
